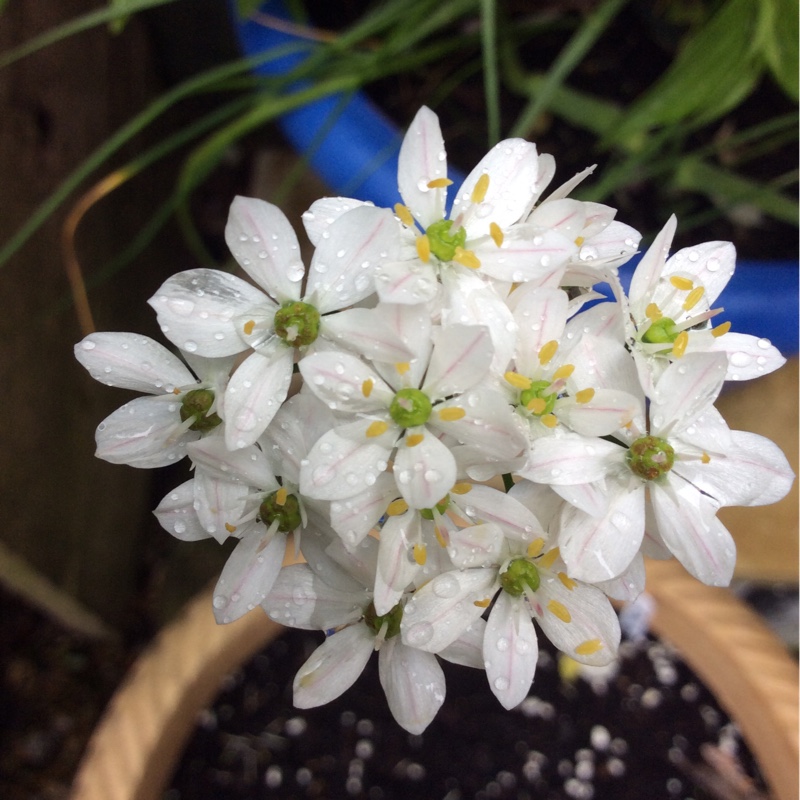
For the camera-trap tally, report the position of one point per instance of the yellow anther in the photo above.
(549, 558)
(281, 495)
(563, 372)
(567, 581)
(559, 610)
(496, 234)
(404, 215)
(248, 326)
(451, 414)
(366, 387)
(396, 508)
(547, 352)
(693, 298)
(537, 405)
(569, 670)
(413, 439)
(481, 187)
(461, 488)
(377, 428)
(420, 554)
(721, 330)
(437, 532)
(230, 528)
(653, 312)
(482, 603)
(684, 284)
(579, 240)
(584, 395)
(680, 344)
(589, 647)
(440, 183)
(176, 390)
(402, 367)
(535, 548)
(466, 258)
(424, 248)
(549, 420)
(517, 381)
(705, 458)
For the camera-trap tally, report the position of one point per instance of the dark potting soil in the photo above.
(648, 730)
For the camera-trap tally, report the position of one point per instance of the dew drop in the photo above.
(432, 475)
(190, 346)
(764, 344)
(419, 634)
(87, 345)
(501, 684)
(502, 644)
(741, 359)
(446, 586)
(220, 601)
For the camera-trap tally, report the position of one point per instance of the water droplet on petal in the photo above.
(419, 635)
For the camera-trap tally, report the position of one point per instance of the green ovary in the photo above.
(287, 515)
(662, 331)
(520, 573)
(196, 404)
(392, 618)
(410, 407)
(297, 323)
(444, 243)
(537, 390)
(441, 507)
(650, 457)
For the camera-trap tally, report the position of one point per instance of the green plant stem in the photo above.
(491, 84)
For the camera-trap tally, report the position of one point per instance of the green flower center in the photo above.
(537, 391)
(410, 408)
(297, 323)
(441, 507)
(520, 573)
(393, 618)
(443, 243)
(287, 514)
(196, 404)
(662, 331)
(650, 457)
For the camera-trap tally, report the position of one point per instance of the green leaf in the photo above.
(777, 37)
(717, 67)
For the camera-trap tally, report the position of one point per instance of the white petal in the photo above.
(424, 473)
(540, 314)
(249, 573)
(324, 212)
(648, 272)
(570, 459)
(510, 650)
(396, 568)
(197, 308)
(476, 546)
(606, 412)
(516, 520)
(248, 466)
(333, 667)
(406, 283)
(264, 243)
(461, 357)
(218, 503)
(413, 682)
(254, 395)
(177, 516)
(338, 379)
(356, 516)
(629, 585)
(567, 216)
(748, 356)
(615, 244)
(146, 433)
(568, 186)
(132, 361)
(365, 331)
(467, 650)
(422, 159)
(528, 253)
(711, 264)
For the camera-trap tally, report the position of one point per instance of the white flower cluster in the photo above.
(442, 357)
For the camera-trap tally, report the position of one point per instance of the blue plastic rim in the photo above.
(354, 148)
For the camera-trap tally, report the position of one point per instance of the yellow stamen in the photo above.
(705, 458)
(377, 428)
(537, 405)
(404, 215)
(559, 610)
(653, 312)
(679, 347)
(684, 284)
(549, 420)
(496, 234)
(584, 395)
(589, 647)
(366, 387)
(466, 258)
(440, 183)
(547, 560)
(579, 240)
(563, 372)
(439, 536)
(176, 391)
(481, 187)
(518, 381)
(420, 554)
(535, 548)
(721, 330)
(693, 298)
(230, 528)
(413, 439)
(402, 367)
(281, 495)
(424, 248)
(461, 488)
(396, 508)
(248, 326)
(451, 414)
(547, 352)
(567, 581)
(482, 603)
